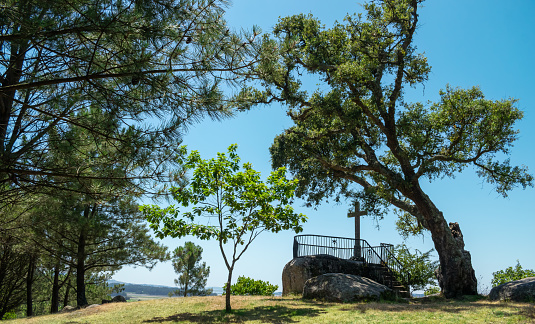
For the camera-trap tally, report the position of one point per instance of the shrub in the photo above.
(510, 274)
(9, 315)
(431, 290)
(419, 266)
(248, 286)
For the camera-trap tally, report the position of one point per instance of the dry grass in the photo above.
(294, 310)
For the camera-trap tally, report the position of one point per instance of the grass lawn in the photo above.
(257, 309)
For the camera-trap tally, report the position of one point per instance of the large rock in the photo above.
(340, 287)
(519, 290)
(118, 299)
(299, 270)
(68, 308)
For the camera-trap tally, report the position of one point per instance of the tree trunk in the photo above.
(455, 275)
(228, 309)
(29, 282)
(81, 299)
(465, 282)
(66, 297)
(54, 303)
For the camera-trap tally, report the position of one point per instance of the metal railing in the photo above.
(393, 263)
(340, 247)
(384, 255)
(348, 248)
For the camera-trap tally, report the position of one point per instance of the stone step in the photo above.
(404, 294)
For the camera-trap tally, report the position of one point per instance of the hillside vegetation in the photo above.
(258, 309)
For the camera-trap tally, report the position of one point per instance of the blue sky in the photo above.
(488, 43)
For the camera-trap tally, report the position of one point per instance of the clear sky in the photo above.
(488, 43)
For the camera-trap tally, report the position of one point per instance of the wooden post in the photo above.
(356, 214)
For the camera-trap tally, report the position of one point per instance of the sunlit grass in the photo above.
(294, 310)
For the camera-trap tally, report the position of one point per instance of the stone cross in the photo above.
(357, 213)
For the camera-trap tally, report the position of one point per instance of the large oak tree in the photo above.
(357, 137)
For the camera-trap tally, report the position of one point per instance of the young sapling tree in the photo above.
(242, 204)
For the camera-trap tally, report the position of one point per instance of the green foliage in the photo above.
(431, 290)
(95, 236)
(249, 286)
(108, 66)
(97, 288)
(356, 136)
(117, 288)
(242, 203)
(193, 275)
(9, 315)
(511, 274)
(50, 228)
(418, 265)
(408, 225)
(15, 255)
(358, 132)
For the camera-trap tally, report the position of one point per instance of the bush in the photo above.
(248, 286)
(431, 290)
(9, 315)
(419, 266)
(510, 274)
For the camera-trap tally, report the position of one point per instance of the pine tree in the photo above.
(192, 273)
(130, 73)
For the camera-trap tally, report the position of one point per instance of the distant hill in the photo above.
(153, 290)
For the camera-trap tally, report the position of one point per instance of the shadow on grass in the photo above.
(265, 314)
(526, 310)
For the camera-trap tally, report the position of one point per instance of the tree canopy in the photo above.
(192, 273)
(357, 137)
(241, 203)
(130, 74)
(419, 266)
(511, 274)
(94, 97)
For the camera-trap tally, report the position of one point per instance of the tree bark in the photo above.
(66, 297)
(54, 303)
(186, 289)
(29, 282)
(81, 299)
(456, 275)
(228, 309)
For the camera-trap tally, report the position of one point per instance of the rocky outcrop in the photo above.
(522, 290)
(340, 287)
(118, 299)
(67, 309)
(299, 270)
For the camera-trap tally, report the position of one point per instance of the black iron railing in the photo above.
(340, 247)
(348, 248)
(393, 263)
(384, 255)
